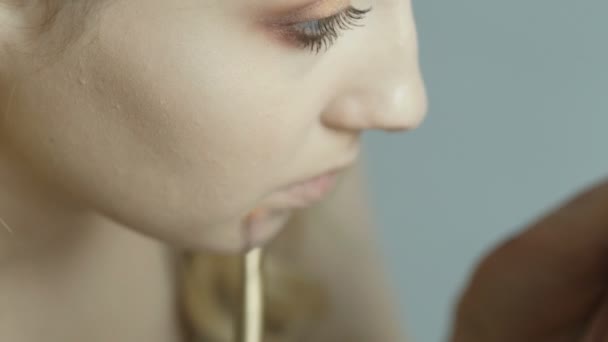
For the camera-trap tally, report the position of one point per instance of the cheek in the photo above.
(173, 138)
(218, 132)
(185, 143)
(174, 162)
(214, 117)
(211, 101)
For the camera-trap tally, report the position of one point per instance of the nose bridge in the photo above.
(387, 92)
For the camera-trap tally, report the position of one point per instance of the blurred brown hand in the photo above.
(546, 284)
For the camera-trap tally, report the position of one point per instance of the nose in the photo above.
(385, 90)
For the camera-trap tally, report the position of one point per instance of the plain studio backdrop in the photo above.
(518, 122)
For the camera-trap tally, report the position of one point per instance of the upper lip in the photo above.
(345, 162)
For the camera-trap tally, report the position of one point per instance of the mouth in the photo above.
(312, 187)
(280, 205)
(304, 193)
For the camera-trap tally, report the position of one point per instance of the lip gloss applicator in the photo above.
(249, 325)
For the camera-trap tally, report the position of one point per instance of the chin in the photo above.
(229, 238)
(264, 231)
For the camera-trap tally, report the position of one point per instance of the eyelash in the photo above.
(317, 34)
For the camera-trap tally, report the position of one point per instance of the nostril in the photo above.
(399, 121)
(397, 129)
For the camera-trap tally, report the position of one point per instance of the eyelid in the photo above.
(323, 33)
(315, 11)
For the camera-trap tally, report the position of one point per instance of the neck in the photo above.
(36, 222)
(68, 274)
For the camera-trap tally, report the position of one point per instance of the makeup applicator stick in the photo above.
(249, 324)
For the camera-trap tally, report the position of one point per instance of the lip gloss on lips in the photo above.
(306, 193)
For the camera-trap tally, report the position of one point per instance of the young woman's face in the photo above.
(177, 118)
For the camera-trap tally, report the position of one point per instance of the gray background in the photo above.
(518, 122)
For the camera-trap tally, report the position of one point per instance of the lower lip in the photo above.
(309, 192)
(281, 203)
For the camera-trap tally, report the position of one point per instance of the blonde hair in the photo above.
(210, 286)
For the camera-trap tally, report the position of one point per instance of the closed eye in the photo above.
(323, 33)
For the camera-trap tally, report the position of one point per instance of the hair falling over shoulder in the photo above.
(210, 284)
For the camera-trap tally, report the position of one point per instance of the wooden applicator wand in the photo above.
(250, 321)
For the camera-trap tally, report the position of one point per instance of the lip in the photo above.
(351, 157)
(305, 193)
(308, 191)
(280, 204)
(312, 187)
(331, 171)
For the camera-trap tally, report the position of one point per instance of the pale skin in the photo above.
(162, 126)
(168, 121)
